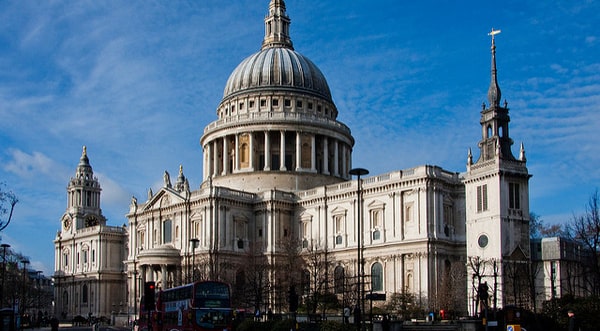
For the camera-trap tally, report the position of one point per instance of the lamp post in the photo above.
(194, 242)
(22, 304)
(39, 291)
(360, 262)
(4, 246)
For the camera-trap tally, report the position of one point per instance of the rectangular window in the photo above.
(251, 103)
(408, 212)
(482, 202)
(275, 102)
(298, 104)
(167, 231)
(338, 223)
(376, 218)
(514, 199)
(287, 102)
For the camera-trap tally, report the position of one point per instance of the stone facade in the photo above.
(278, 207)
(89, 275)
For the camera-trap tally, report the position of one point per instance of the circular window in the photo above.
(482, 241)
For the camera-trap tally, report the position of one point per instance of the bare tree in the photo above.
(318, 266)
(252, 280)
(451, 293)
(292, 262)
(7, 198)
(585, 229)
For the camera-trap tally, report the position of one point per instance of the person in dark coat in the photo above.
(54, 323)
(573, 321)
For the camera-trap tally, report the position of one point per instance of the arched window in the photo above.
(377, 277)
(244, 154)
(305, 282)
(65, 299)
(489, 131)
(240, 281)
(84, 293)
(338, 279)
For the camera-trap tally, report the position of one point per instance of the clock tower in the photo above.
(83, 198)
(497, 209)
(88, 253)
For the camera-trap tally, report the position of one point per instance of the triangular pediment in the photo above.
(375, 204)
(306, 217)
(164, 198)
(339, 211)
(517, 255)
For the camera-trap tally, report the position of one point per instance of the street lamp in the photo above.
(4, 246)
(22, 308)
(194, 242)
(360, 262)
(39, 293)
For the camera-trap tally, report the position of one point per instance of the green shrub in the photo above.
(332, 326)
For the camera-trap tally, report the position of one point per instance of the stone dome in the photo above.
(277, 68)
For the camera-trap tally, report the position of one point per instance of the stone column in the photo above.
(225, 155)
(282, 151)
(205, 154)
(215, 148)
(267, 151)
(325, 156)
(336, 165)
(237, 153)
(298, 151)
(344, 165)
(251, 151)
(164, 277)
(313, 154)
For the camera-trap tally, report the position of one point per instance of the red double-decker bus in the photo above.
(199, 306)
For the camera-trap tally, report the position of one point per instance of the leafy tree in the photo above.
(7, 198)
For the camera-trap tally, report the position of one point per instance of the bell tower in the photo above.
(88, 254)
(497, 208)
(83, 198)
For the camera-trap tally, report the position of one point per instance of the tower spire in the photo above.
(84, 169)
(494, 93)
(277, 27)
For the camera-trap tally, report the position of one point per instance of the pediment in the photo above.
(376, 204)
(306, 217)
(164, 198)
(339, 211)
(517, 255)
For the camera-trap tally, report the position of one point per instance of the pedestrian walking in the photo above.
(573, 321)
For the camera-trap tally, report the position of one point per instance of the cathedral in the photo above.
(282, 208)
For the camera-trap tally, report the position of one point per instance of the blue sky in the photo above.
(137, 81)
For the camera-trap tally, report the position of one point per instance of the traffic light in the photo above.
(149, 290)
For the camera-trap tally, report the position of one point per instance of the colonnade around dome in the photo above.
(261, 150)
